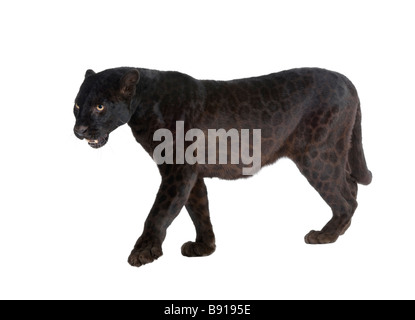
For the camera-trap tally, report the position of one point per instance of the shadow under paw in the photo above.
(320, 237)
(197, 249)
(143, 255)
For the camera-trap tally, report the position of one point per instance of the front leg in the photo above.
(177, 182)
(198, 208)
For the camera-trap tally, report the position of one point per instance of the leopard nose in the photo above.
(80, 131)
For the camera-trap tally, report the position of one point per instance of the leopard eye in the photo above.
(76, 106)
(100, 107)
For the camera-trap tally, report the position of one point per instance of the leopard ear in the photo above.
(129, 82)
(89, 73)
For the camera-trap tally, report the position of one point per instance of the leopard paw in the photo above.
(320, 237)
(142, 255)
(197, 249)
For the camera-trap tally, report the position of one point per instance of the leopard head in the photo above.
(103, 103)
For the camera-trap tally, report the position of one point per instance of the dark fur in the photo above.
(311, 116)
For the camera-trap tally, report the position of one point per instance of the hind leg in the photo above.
(198, 208)
(328, 175)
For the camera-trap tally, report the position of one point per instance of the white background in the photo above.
(70, 214)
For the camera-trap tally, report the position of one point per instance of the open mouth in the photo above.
(98, 143)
